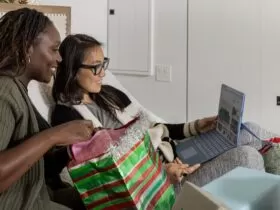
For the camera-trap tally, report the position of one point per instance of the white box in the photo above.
(247, 189)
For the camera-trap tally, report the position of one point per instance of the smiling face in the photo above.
(44, 56)
(87, 80)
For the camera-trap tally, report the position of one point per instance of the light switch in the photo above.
(163, 73)
(278, 100)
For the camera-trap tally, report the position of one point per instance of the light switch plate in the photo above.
(163, 73)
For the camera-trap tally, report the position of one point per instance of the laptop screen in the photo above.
(230, 113)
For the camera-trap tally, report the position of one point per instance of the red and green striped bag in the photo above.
(134, 179)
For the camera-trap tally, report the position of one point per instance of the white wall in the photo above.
(88, 16)
(270, 64)
(238, 43)
(235, 42)
(168, 100)
(224, 47)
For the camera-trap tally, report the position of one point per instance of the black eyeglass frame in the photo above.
(97, 69)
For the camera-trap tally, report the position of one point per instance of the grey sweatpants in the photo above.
(245, 155)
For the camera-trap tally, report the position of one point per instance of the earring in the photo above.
(29, 59)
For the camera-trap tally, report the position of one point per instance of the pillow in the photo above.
(41, 97)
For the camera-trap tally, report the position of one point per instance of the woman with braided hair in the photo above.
(29, 149)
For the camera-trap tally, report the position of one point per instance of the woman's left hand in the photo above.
(207, 124)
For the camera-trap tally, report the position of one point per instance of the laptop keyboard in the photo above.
(212, 148)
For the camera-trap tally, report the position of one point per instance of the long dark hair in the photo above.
(66, 88)
(19, 29)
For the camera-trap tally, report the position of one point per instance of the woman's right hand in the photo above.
(71, 132)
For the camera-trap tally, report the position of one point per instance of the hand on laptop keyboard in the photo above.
(206, 124)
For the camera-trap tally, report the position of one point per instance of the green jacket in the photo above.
(18, 122)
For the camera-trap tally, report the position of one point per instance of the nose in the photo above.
(102, 73)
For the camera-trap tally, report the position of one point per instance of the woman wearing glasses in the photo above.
(79, 81)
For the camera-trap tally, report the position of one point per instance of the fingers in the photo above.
(181, 164)
(88, 123)
(213, 118)
(192, 169)
(88, 127)
(177, 171)
(210, 119)
(213, 126)
(179, 174)
(177, 160)
(208, 123)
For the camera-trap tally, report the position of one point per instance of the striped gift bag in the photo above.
(128, 175)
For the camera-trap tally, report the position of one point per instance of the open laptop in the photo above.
(206, 146)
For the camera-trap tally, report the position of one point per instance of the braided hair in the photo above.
(19, 30)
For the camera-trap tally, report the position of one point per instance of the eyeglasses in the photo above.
(97, 69)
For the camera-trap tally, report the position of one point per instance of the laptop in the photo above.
(209, 145)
